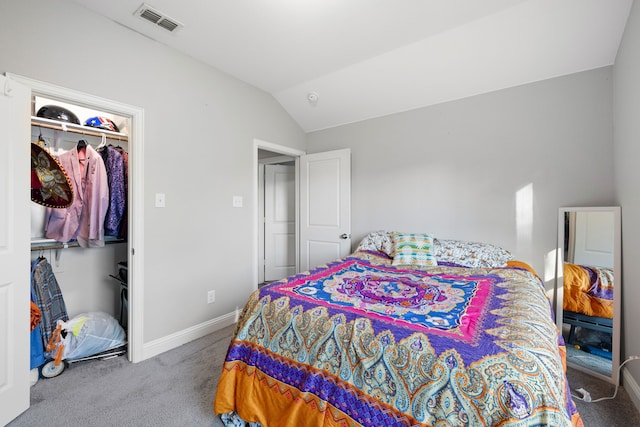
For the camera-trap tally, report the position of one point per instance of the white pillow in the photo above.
(378, 241)
(471, 254)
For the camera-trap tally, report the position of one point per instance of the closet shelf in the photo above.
(71, 127)
(46, 244)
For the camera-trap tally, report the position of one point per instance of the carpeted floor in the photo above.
(177, 388)
(608, 413)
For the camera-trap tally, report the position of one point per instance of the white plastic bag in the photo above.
(91, 333)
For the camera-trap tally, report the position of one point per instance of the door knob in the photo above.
(345, 236)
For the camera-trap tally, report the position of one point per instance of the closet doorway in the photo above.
(133, 239)
(276, 176)
(277, 211)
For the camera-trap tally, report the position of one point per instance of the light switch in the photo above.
(160, 201)
(237, 201)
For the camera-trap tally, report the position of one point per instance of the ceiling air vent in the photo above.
(160, 19)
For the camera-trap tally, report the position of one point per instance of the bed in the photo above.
(588, 290)
(378, 339)
(587, 299)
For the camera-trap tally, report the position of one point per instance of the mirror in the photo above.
(587, 291)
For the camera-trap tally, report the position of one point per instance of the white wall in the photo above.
(627, 181)
(457, 169)
(199, 130)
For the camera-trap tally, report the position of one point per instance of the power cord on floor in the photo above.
(586, 397)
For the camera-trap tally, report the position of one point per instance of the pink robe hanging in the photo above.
(84, 219)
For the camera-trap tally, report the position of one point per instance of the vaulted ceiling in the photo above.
(332, 62)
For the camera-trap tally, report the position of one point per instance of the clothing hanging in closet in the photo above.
(84, 219)
(125, 218)
(35, 337)
(47, 295)
(114, 165)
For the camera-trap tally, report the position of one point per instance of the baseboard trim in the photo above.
(632, 387)
(160, 345)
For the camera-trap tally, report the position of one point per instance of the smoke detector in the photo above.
(312, 97)
(158, 18)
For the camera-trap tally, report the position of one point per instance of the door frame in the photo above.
(259, 144)
(261, 207)
(135, 239)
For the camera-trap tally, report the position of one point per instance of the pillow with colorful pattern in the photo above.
(413, 249)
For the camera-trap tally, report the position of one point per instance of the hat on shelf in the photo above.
(56, 112)
(50, 184)
(102, 123)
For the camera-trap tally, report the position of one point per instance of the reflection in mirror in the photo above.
(588, 297)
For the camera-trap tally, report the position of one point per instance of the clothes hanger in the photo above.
(81, 144)
(103, 143)
(41, 142)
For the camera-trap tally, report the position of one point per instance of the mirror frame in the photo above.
(617, 286)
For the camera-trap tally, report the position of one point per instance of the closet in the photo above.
(83, 274)
(88, 276)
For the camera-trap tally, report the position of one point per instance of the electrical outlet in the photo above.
(211, 297)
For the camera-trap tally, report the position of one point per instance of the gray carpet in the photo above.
(177, 388)
(608, 413)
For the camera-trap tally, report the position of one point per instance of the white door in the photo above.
(15, 135)
(279, 222)
(594, 241)
(325, 207)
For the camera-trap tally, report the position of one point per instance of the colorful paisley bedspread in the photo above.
(588, 290)
(358, 342)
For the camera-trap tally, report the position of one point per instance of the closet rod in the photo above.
(83, 132)
(74, 244)
(55, 246)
